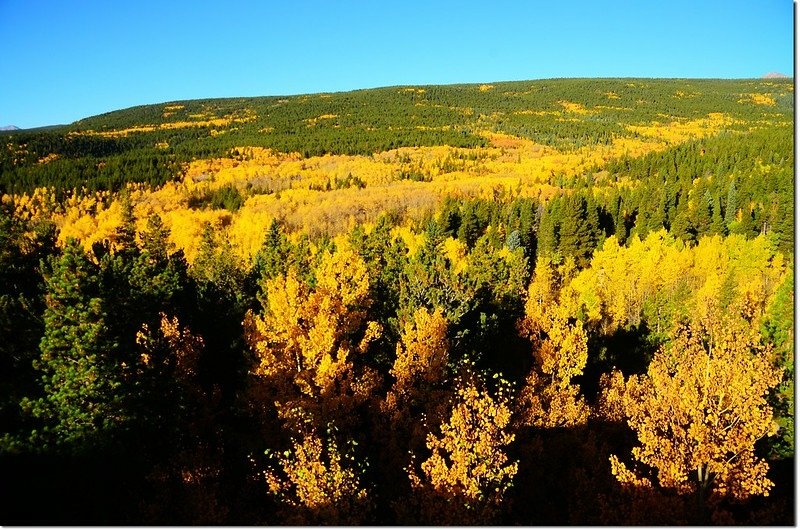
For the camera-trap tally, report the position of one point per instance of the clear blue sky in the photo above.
(62, 60)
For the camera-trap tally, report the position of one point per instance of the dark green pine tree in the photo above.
(522, 218)
(79, 407)
(596, 233)
(21, 308)
(703, 214)
(730, 204)
(155, 239)
(577, 236)
(717, 223)
(548, 234)
(271, 260)
(125, 234)
(222, 301)
(748, 225)
(682, 227)
(450, 217)
(620, 222)
(782, 225)
(470, 229)
(158, 277)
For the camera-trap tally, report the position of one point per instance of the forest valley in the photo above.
(542, 302)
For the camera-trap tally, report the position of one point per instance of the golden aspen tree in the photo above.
(468, 472)
(549, 398)
(318, 483)
(190, 478)
(699, 411)
(308, 340)
(610, 405)
(542, 295)
(418, 396)
(422, 352)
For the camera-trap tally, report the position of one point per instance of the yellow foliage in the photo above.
(314, 479)
(324, 194)
(466, 476)
(181, 346)
(456, 251)
(610, 404)
(549, 398)
(48, 158)
(576, 108)
(758, 99)
(662, 280)
(201, 122)
(422, 352)
(681, 130)
(700, 409)
(305, 339)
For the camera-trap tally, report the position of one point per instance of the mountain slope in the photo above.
(150, 143)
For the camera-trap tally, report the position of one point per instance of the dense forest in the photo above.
(565, 301)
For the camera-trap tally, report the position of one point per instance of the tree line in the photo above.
(523, 364)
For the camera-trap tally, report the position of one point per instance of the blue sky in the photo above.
(63, 60)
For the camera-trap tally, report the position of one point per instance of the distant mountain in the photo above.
(775, 75)
(9, 128)
(152, 143)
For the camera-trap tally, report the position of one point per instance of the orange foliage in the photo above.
(307, 339)
(466, 476)
(316, 485)
(549, 398)
(699, 411)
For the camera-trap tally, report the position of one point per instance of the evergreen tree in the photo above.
(79, 378)
(155, 239)
(549, 229)
(782, 227)
(717, 224)
(21, 307)
(125, 234)
(682, 227)
(620, 224)
(470, 229)
(703, 214)
(450, 217)
(730, 204)
(271, 258)
(577, 237)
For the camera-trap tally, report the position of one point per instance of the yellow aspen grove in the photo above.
(468, 473)
(699, 411)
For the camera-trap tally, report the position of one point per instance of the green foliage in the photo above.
(778, 329)
(364, 122)
(78, 376)
(227, 197)
(749, 172)
(21, 307)
(138, 351)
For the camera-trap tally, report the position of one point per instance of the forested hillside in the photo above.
(565, 301)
